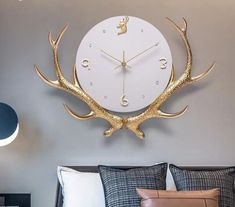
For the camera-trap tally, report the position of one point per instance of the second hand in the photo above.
(124, 101)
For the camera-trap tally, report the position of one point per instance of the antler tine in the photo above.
(61, 81)
(52, 42)
(109, 132)
(153, 111)
(202, 75)
(188, 69)
(172, 78)
(183, 34)
(90, 115)
(139, 133)
(75, 77)
(55, 43)
(45, 79)
(183, 29)
(162, 114)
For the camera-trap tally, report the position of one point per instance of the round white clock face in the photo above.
(124, 63)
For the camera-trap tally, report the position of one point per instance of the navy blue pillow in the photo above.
(205, 180)
(120, 184)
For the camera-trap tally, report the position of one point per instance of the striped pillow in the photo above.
(120, 184)
(206, 179)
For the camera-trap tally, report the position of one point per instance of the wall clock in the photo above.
(126, 71)
(124, 64)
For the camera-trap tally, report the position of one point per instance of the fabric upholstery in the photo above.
(80, 188)
(204, 180)
(120, 185)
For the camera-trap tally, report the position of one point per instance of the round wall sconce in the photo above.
(9, 125)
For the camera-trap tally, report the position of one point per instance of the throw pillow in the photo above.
(80, 188)
(206, 179)
(120, 184)
(161, 198)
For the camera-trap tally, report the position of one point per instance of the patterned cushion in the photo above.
(206, 179)
(120, 184)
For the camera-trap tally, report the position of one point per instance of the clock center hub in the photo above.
(124, 64)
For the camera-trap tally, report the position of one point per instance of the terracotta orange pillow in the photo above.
(162, 198)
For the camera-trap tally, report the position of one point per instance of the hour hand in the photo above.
(111, 56)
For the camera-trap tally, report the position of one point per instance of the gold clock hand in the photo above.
(144, 51)
(124, 101)
(111, 56)
(123, 60)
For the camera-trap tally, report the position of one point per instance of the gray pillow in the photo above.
(206, 179)
(120, 184)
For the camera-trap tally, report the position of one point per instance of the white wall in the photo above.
(49, 137)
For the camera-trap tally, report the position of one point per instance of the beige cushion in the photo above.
(161, 198)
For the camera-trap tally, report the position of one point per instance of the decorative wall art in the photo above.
(124, 64)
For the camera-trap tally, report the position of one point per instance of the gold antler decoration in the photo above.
(74, 88)
(153, 111)
(116, 122)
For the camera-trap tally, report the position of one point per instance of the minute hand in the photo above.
(156, 44)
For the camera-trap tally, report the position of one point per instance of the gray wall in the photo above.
(49, 137)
